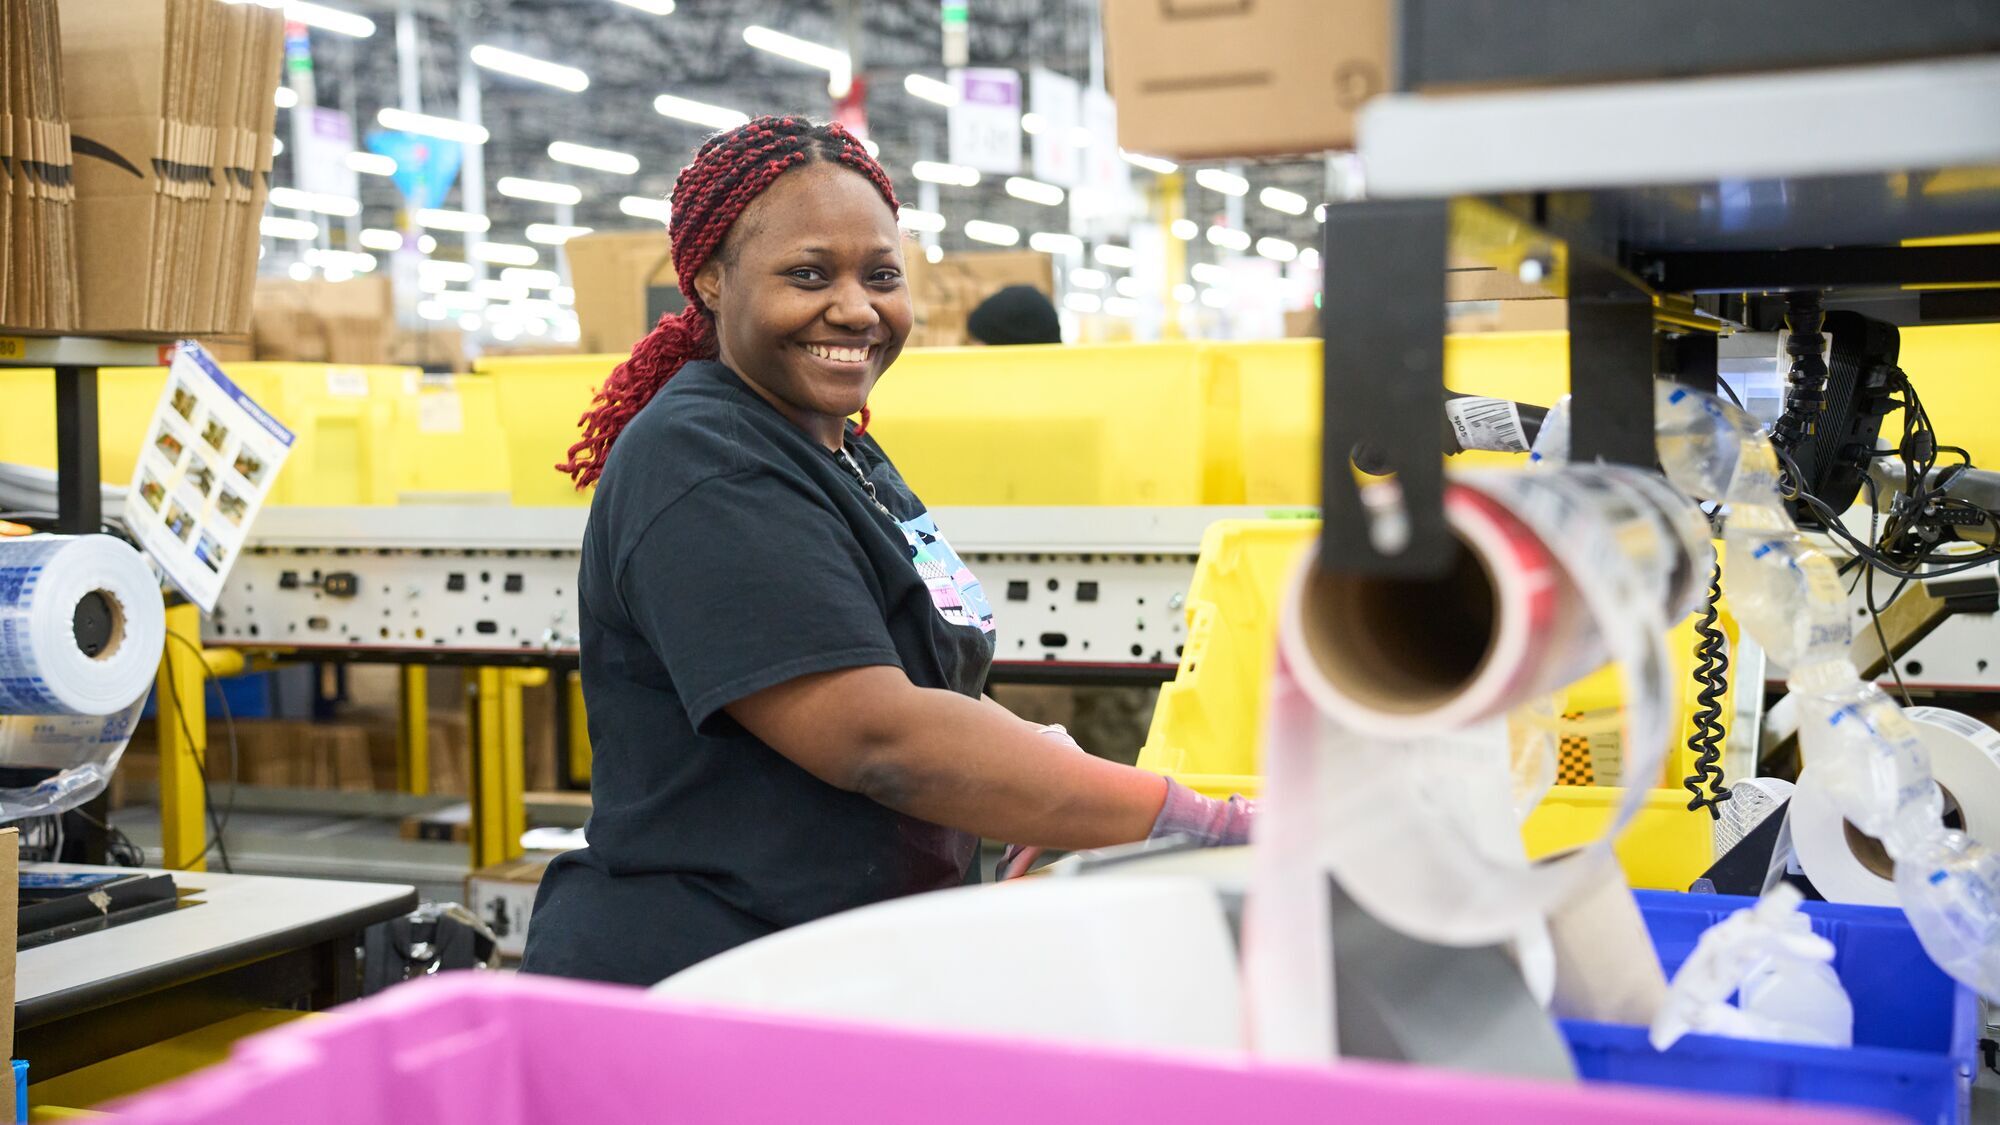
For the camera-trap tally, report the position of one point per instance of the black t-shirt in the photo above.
(728, 552)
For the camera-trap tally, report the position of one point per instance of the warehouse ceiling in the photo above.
(698, 52)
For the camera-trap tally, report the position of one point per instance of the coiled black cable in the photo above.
(1711, 671)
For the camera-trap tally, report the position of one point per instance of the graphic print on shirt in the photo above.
(955, 591)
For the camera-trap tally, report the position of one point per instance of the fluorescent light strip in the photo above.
(1309, 258)
(837, 64)
(997, 234)
(1121, 306)
(931, 90)
(563, 295)
(532, 279)
(874, 150)
(292, 199)
(1229, 239)
(1088, 278)
(425, 125)
(1049, 242)
(351, 261)
(1117, 257)
(277, 146)
(700, 113)
(1184, 293)
(1228, 183)
(302, 230)
(502, 61)
(285, 97)
(504, 254)
(552, 234)
(933, 254)
(494, 289)
(1185, 229)
(387, 241)
(539, 191)
(431, 310)
(1277, 249)
(600, 159)
(1080, 137)
(1151, 164)
(1319, 213)
(935, 172)
(446, 271)
(371, 163)
(329, 19)
(437, 218)
(1129, 287)
(1083, 303)
(651, 7)
(1209, 273)
(460, 299)
(912, 218)
(1034, 191)
(1215, 298)
(646, 207)
(1278, 199)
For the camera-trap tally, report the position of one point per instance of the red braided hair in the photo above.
(730, 169)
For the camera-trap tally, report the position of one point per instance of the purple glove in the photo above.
(1205, 820)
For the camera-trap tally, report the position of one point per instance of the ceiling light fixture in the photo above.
(700, 113)
(600, 159)
(539, 191)
(513, 63)
(425, 125)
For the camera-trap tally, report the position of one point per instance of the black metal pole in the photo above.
(79, 504)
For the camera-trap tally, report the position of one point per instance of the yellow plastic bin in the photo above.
(1206, 728)
(1115, 424)
(540, 399)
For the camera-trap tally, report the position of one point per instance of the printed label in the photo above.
(1976, 732)
(955, 591)
(346, 382)
(1487, 423)
(13, 347)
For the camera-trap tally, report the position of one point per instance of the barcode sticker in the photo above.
(1487, 423)
(1978, 733)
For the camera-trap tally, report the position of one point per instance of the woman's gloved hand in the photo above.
(1205, 820)
(1018, 858)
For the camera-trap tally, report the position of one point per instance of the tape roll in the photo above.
(81, 625)
(1847, 865)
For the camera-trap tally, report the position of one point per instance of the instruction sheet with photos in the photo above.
(210, 457)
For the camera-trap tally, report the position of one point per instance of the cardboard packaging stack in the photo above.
(172, 122)
(37, 189)
(946, 292)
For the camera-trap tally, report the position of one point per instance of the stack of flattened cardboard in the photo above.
(37, 190)
(172, 122)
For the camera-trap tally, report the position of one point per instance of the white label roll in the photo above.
(1847, 865)
(81, 625)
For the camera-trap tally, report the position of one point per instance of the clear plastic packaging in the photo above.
(1779, 970)
(1875, 768)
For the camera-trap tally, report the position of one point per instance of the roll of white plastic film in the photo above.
(1421, 791)
(1865, 757)
(1387, 752)
(81, 625)
(1847, 865)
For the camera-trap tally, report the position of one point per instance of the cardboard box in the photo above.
(10, 917)
(318, 321)
(172, 124)
(944, 293)
(503, 896)
(1546, 314)
(624, 283)
(1206, 78)
(1471, 279)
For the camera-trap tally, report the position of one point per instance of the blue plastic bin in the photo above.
(1915, 1029)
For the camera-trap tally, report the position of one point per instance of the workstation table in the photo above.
(236, 944)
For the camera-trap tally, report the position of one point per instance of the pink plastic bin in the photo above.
(482, 1049)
